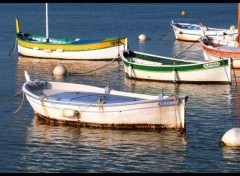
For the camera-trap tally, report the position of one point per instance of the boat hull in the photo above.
(212, 72)
(215, 54)
(192, 32)
(99, 51)
(150, 113)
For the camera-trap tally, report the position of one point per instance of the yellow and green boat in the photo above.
(62, 48)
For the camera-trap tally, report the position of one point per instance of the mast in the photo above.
(47, 37)
(238, 25)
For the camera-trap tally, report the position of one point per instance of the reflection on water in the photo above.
(231, 152)
(211, 108)
(97, 73)
(30, 146)
(67, 147)
(141, 45)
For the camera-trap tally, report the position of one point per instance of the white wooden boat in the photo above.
(138, 65)
(214, 48)
(89, 106)
(192, 32)
(63, 48)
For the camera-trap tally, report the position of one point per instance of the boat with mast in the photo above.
(63, 48)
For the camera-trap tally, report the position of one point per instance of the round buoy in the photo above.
(232, 137)
(232, 27)
(59, 70)
(183, 13)
(142, 37)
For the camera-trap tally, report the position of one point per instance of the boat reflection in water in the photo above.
(83, 146)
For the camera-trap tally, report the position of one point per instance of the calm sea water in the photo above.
(28, 145)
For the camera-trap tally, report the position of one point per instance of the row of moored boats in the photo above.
(90, 106)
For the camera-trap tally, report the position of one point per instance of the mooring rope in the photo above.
(234, 76)
(8, 99)
(169, 32)
(225, 70)
(181, 129)
(164, 37)
(20, 105)
(13, 48)
(75, 74)
(186, 49)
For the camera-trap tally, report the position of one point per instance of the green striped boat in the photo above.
(138, 65)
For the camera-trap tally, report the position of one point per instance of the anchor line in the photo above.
(20, 105)
(186, 49)
(13, 49)
(75, 74)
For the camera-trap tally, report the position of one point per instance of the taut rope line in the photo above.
(186, 48)
(75, 74)
(13, 48)
(8, 99)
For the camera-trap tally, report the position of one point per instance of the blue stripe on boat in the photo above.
(86, 41)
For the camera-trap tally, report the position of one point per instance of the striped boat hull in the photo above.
(144, 67)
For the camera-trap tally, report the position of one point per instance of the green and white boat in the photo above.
(138, 65)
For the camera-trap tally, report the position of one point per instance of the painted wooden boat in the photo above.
(138, 65)
(214, 48)
(63, 48)
(90, 106)
(192, 32)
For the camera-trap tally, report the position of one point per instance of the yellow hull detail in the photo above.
(71, 47)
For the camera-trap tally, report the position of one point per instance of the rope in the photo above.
(234, 76)
(226, 70)
(14, 47)
(186, 48)
(20, 105)
(7, 99)
(181, 130)
(75, 74)
(170, 30)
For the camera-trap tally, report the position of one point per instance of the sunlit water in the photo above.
(29, 145)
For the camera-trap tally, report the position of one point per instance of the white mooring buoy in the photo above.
(60, 70)
(142, 37)
(232, 27)
(232, 137)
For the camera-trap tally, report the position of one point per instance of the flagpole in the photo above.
(47, 37)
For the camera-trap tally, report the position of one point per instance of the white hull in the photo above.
(222, 74)
(187, 36)
(195, 35)
(123, 111)
(139, 65)
(100, 54)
